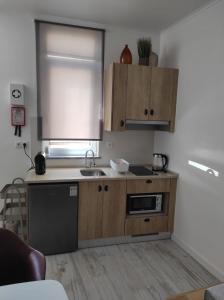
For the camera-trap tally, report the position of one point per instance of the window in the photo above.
(70, 68)
(70, 149)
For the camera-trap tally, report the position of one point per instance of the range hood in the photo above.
(141, 125)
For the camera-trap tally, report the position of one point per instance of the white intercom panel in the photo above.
(17, 94)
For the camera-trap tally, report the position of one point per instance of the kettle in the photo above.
(160, 162)
(40, 165)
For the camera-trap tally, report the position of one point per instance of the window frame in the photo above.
(39, 121)
(46, 145)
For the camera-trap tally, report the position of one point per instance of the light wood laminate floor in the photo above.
(143, 271)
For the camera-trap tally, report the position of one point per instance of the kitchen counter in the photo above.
(102, 216)
(73, 174)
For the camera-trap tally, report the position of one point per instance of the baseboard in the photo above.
(122, 240)
(219, 274)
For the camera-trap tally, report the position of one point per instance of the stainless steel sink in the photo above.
(92, 172)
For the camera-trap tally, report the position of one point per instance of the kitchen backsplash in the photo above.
(136, 146)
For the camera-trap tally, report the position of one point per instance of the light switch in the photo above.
(109, 145)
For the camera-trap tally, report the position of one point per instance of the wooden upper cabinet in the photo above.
(115, 90)
(138, 92)
(114, 208)
(90, 210)
(163, 94)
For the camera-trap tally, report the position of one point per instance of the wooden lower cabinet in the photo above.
(102, 209)
(146, 225)
(114, 208)
(193, 295)
(90, 210)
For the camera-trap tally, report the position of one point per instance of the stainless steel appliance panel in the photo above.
(144, 203)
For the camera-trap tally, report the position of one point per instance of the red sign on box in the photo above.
(17, 116)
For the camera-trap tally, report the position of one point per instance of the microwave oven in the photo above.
(144, 203)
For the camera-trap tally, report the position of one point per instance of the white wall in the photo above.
(196, 47)
(17, 61)
(17, 64)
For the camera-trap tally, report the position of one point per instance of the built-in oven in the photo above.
(144, 203)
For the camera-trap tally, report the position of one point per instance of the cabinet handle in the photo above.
(147, 220)
(122, 123)
(148, 181)
(106, 188)
(151, 112)
(99, 188)
(146, 112)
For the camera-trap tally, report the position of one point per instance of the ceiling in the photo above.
(153, 15)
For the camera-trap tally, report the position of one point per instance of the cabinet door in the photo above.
(163, 94)
(138, 92)
(115, 87)
(114, 208)
(146, 225)
(90, 210)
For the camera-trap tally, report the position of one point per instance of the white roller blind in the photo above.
(70, 64)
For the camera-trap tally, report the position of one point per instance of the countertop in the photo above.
(73, 174)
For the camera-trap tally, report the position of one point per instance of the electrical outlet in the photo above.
(19, 145)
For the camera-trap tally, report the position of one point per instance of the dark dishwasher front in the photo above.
(53, 217)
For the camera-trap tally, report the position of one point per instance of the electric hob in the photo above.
(140, 170)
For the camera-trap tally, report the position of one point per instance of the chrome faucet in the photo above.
(91, 163)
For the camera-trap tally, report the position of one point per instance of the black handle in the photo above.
(106, 188)
(151, 112)
(19, 134)
(146, 112)
(16, 130)
(99, 188)
(148, 181)
(165, 161)
(147, 220)
(122, 123)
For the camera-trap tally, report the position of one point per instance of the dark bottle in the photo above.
(126, 56)
(40, 164)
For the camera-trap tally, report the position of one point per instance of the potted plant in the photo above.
(144, 50)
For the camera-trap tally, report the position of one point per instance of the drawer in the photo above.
(146, 225)
(148, 186)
